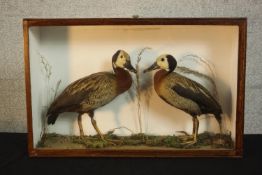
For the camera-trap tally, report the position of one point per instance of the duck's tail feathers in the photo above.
(224, 123)
(51, 118)
(219, 120)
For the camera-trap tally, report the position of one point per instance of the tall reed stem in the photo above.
(138, 88)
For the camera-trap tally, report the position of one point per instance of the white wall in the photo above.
(37, 83)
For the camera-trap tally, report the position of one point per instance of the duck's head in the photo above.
(121, 59)
(166, 62)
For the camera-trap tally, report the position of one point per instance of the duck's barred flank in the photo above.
(187, 95)
(86, 94)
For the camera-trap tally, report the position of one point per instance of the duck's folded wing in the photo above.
(196, 92)
(84, 89)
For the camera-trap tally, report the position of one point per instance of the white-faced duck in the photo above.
(183, 93)
(94, 91)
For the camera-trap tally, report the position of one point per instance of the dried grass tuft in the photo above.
(200, 61)
(51, 92)
(138, 87)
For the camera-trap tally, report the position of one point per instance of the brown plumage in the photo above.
(183, 93)
(96, 90)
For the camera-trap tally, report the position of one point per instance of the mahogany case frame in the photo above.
(236, 152)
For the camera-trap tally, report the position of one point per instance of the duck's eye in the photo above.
(162, 59)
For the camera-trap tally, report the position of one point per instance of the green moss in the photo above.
(205, 140)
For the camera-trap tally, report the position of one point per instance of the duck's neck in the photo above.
(159, 77)
(160, 74)
(124, 80)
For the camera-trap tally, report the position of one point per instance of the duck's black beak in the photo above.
(129, 66)
(152, 67)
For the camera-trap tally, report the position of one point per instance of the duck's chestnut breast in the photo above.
(158, 79)
(123, 80)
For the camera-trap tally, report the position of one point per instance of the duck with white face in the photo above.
(94, 91)
(121, 59)
(183, 93)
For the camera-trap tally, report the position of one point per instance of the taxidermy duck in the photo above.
(183, 93)
(94, 91)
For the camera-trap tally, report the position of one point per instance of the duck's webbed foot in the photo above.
(110, 141)
(114, 142)
(187, 139)
(190, 141)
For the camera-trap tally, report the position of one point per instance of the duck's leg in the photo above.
(93, 121)
(79, 120)
(191, 139)
(196, 126)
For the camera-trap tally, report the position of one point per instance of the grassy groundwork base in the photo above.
(137, 141)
